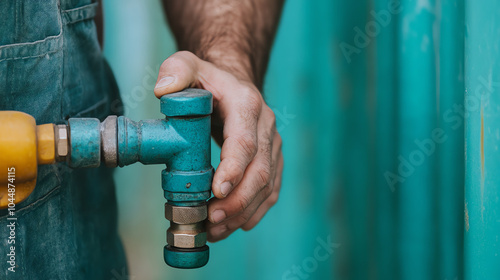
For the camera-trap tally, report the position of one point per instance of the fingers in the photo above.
(240, 116)
(258, 178)
(177, 72)
(219, 231)
(270, 201)
(257, 208)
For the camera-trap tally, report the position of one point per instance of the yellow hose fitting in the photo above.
(23, 146)
(45, 143)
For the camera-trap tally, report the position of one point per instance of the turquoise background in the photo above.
(346, 124)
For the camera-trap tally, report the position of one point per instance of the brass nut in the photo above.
(186, 236)
(61, 142)
(185, 215)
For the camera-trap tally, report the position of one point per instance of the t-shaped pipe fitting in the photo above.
(182, 142)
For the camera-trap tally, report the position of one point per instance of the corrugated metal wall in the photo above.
(482, 134)
(380, 144)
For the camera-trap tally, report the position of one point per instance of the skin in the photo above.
(225, 49)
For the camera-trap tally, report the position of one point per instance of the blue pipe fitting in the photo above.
(148, 141)
(180, 186)
(182, 258)
(181, 141)
(85, 142)
(190, 102)
(187, 180)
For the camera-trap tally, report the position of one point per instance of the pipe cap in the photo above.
(189, 102)
(186, 258)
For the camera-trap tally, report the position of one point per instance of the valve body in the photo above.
(181, 141)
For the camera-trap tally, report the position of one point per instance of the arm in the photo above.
(228, 44)
(234, 35)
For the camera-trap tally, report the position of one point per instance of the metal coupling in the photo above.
(186, 236)
(187, 228)
(185, 215)
(109, 141)
(62, 145)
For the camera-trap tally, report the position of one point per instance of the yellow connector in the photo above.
(23, 146)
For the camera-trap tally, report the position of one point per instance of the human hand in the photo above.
(248, 180)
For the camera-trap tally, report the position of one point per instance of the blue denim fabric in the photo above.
(51, 67)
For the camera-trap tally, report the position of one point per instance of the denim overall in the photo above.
(52, 67)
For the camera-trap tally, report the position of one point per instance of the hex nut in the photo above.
(109, 141)
(185, 215)
(61, 133)
(186, 236)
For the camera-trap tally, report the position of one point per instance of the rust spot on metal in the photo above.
(188, 185)
(482, 144)
(466, 218)
(482, 164)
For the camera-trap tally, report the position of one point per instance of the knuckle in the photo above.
(235, 167)
(242, 204)
(273, 198)
(248, 143)
(178, 59)
(184, 55)
(264, 175)
(253, 101)
(246, 227)
(279, 140)
(269, 189)
(242, 219)
(270, 115)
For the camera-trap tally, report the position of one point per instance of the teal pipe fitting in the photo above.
(181, 141)
(85, 142)
(187, 180)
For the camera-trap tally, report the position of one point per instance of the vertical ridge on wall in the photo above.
(482, 133)
(355, 148)
(386, 78)
(417, 102)
(450, 153)
(300, 82)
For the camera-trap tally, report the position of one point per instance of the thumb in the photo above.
(177, 72)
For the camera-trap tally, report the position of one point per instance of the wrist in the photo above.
(232, 61)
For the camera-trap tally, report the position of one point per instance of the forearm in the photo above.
(235, 35)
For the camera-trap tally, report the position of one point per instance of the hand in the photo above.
(248, 180)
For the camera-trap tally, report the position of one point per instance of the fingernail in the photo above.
(225, 188)
(165, 81)
(218, 216)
